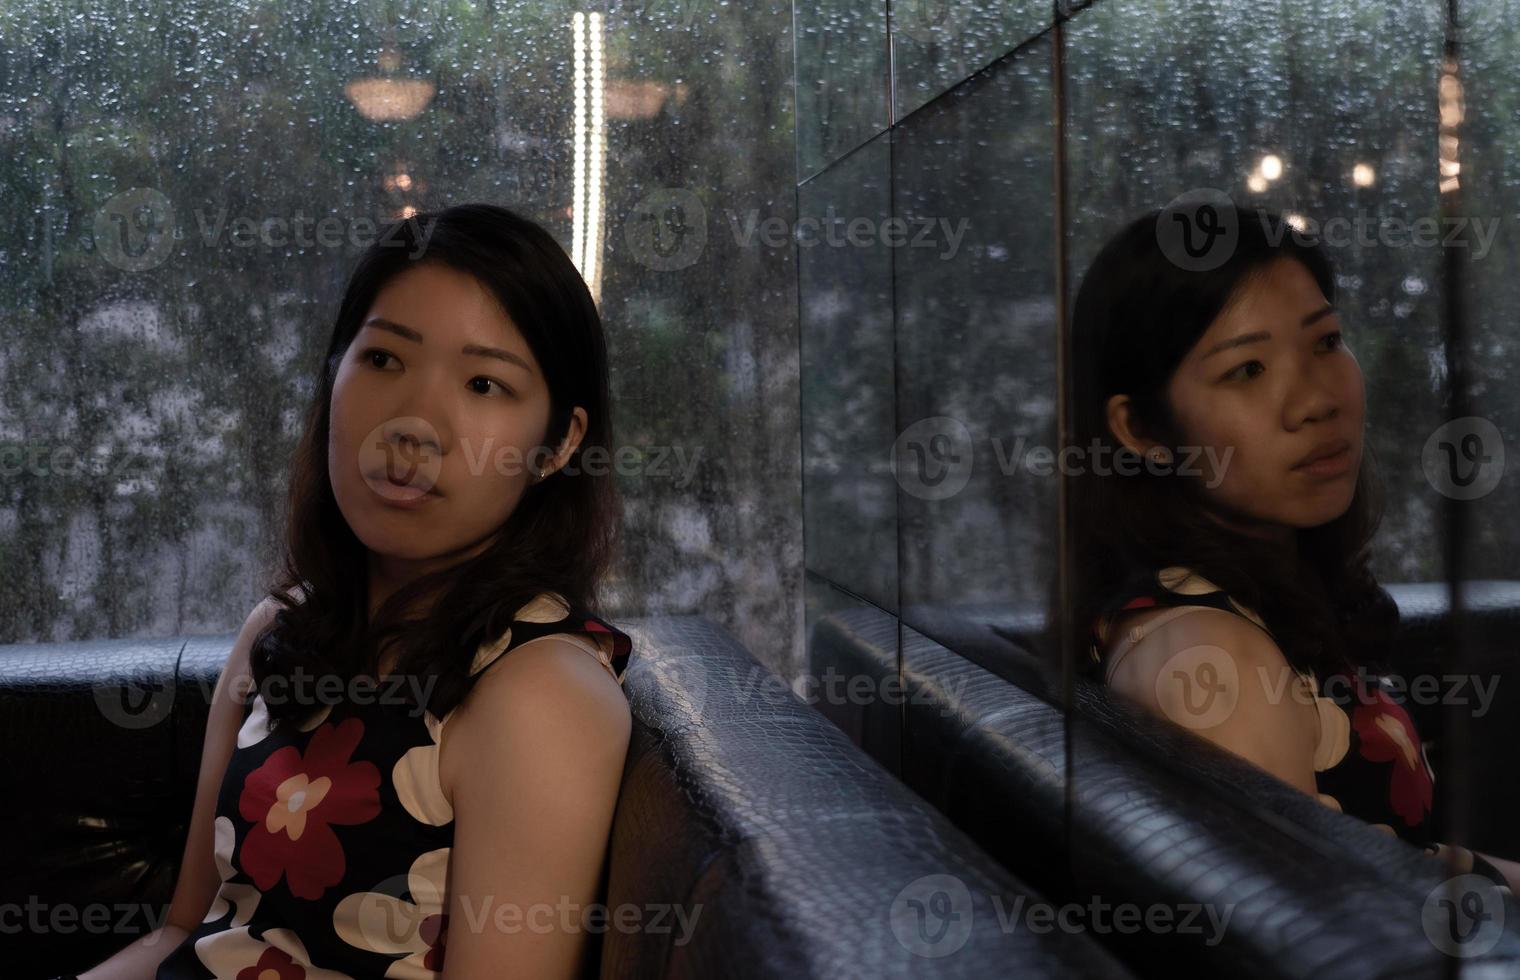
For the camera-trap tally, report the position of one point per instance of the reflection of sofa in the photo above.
(1157, 817)
(737, 798)
(1003, 640)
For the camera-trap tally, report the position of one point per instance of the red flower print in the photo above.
(275, 964)
(1386, 734)
(293, 801)
(621, 644)
(435, 932)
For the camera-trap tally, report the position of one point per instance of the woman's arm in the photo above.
(198, 877)
(543, 735)
(1223, 679)
(140, 960)
(1509, 869)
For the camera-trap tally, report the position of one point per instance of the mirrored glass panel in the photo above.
(973, 180)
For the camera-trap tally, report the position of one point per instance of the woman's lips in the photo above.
(401, 494)
(1328, 465)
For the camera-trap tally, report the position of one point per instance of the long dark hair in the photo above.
(560, 537)
(1136, 316)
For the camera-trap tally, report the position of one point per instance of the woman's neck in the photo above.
(1281, 535)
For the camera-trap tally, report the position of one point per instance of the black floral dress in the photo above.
(332, 840)
(1369, 760)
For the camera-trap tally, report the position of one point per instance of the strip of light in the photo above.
(578, 186)
(597, 167)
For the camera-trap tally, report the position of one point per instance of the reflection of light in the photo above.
(404, 181)
(1296, 220)
(1256, 183)
(389, 99)
(1271, 166)
(1451, 118)
(1362, 175)
(590, 149)
(406, 212)
(578, 129)
(630, 98)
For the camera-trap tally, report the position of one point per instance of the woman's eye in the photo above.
(374, 352)
(1241, 373)
(491, 381)
(1336, 340)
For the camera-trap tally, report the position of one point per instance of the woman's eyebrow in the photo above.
(401, 330)
(1251, 338)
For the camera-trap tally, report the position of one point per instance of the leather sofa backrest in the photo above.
(789, 852)
(1144, 813)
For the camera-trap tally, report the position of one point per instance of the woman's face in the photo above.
(440, 391)
(1272, 382)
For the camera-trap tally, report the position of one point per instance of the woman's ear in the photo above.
(573, 436)
(1122, 423)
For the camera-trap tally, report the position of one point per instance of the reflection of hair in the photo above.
(1136, 315)
(561, 535)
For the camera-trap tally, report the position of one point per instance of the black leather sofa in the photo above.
(794, 853)
(1107, 801)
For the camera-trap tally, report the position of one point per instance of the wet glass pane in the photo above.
(1471, 457)
(842, 86)
(187, 188)
(849, 494)
(973, 177)
(1175, 100)
(1330, 115)
(937, 43)
(852, 674)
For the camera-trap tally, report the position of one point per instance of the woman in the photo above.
(438, 521)
(1223, 547)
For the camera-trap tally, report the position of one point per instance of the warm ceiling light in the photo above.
(389, 99)
(630, 98)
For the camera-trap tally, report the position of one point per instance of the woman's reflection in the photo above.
(1222, 574)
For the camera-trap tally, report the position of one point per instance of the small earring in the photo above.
(1160, 455)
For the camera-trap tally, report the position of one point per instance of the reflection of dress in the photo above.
(332, 839)
(1368, 757)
